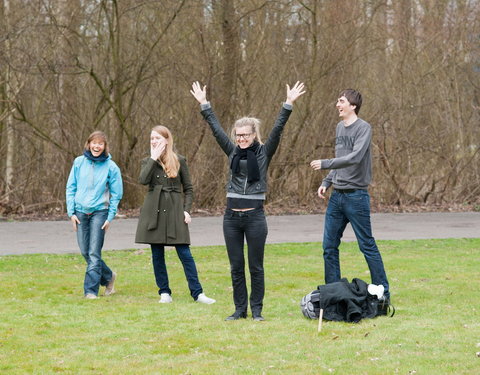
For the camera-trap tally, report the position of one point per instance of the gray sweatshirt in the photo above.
(352, 166)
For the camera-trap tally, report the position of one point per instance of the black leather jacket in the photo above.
(237, 183)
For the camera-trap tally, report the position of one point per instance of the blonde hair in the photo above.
(169, 159)
(97, 134)
(253, 122)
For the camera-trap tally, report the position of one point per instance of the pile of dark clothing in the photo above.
(344, 301)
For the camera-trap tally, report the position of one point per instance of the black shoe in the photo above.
(237, 315)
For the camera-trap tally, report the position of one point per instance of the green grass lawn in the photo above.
(47, 327)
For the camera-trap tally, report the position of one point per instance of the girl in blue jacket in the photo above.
(94, 190)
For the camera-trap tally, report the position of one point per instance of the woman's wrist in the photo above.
(204, 106)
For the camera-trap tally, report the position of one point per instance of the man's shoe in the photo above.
(165, 298)
(237, 315)
(202, 298)
(110, 288)
(90, 296)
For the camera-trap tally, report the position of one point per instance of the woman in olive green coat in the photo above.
(165, 213)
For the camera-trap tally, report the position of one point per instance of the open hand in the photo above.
(199, 93)
(295, 92)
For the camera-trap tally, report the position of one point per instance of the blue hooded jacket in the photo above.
(94, 185)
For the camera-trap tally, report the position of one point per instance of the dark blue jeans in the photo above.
(189, 267)
(353, 208)
(90, 236)
(252, 226)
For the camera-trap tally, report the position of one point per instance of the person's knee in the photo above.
(369, 248)
(94, 265)
(237, 270)
(330, 253)
(257, 271)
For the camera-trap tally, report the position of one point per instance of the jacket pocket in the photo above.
(150, 207)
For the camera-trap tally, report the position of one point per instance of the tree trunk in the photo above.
(10, 90)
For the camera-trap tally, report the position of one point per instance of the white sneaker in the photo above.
(165, 298)
(110, 288)
(202, 298)
(90, 296)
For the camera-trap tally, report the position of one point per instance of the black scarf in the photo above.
(252, 163)
(88, 154)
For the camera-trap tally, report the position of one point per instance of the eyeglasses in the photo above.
(244, 136)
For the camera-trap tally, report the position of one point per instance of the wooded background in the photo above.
(69, 67)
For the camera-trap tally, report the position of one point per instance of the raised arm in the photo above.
(221, 137)
(274, 137)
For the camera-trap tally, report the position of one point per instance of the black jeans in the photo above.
(252, 226)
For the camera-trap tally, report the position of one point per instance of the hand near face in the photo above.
(156, 150)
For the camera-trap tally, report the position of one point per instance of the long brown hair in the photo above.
(98, 134)
(168, 159)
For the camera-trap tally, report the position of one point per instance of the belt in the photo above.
(154, 210)
(233, 213)
(345, 191)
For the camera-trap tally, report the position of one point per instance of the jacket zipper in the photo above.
(245, 187)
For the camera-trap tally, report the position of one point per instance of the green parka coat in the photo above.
(162, 220)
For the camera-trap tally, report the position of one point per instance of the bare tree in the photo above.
(9, 93)
(71, 67)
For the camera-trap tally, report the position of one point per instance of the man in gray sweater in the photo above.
(350, 174)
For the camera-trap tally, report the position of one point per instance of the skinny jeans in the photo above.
(252, 226)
